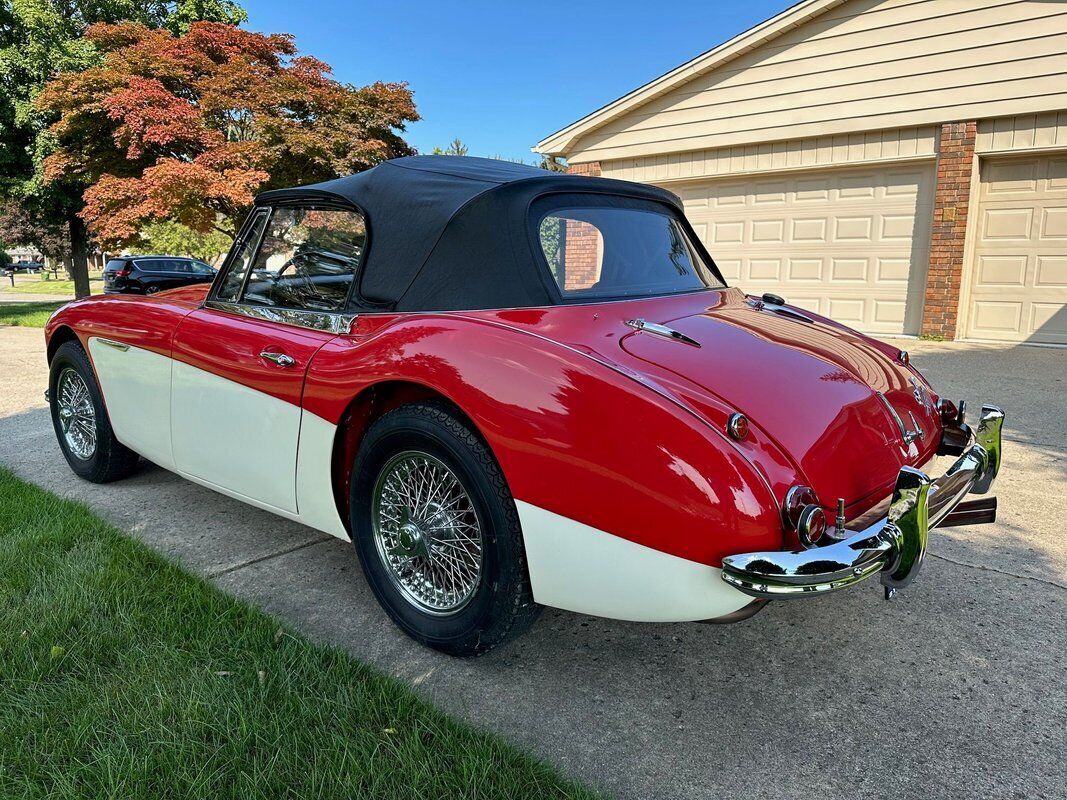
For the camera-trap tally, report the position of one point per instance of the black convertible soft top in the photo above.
(453, 233)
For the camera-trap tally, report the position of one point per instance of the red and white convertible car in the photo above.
(513, 388)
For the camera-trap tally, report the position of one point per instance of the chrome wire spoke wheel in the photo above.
(77, 415)
(427, 533)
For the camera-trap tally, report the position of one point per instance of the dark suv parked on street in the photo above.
(151, 274)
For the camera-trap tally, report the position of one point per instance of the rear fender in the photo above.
(574, 437)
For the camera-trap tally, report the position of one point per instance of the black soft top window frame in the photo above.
(558, 203)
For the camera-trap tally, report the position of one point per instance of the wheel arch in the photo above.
(59, 337)
(362, 411)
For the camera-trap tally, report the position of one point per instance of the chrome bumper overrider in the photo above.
(893, 546)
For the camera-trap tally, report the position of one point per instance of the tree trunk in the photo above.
(79, 246)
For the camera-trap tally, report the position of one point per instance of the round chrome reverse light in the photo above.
(737, 426)
(811, 525)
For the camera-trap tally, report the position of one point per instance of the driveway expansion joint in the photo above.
(260, 559)
(983, 567)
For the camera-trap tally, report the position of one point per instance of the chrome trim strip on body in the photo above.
(113, 344)
(329, 322)
(893, 546)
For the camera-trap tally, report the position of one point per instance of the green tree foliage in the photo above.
(174, 239)
(38, 40)
(19, 226)
(553, 164)
(455, 148)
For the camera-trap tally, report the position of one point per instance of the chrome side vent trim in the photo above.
(661, 330)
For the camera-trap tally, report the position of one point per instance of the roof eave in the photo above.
(561, 142)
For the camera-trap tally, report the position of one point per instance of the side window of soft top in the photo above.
(307, 259)
(295, 257)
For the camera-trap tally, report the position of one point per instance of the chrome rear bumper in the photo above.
(894, 546)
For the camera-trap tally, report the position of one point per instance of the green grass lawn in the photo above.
(96, 286)
(29, 315)
(122, 676)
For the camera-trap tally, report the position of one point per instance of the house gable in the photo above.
(848, 67)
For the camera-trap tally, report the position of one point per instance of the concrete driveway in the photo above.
(955, 689)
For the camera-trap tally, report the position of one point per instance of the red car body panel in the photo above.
(620, 430)
(230, 347)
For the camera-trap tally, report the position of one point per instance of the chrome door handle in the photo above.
(281, 359)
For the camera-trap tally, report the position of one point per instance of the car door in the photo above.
(241, 359)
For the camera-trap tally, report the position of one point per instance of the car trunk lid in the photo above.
(829, 398)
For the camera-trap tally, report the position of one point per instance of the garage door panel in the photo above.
(848, 269)
(1002, 270)
(836, 242)
(1049, 320)
(805, 269)
(892, 270)
(890, 313)
(1018, 286)
(1051, 271)
(1054, 224)
(1008, 223)
(1012, 177)
(1057, 175)
(768, 231)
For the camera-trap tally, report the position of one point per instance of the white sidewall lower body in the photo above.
(314, 476)
(235, 437)
(580, 568)
(135, 384)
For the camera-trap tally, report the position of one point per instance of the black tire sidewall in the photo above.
(492, 605)
(99, 467)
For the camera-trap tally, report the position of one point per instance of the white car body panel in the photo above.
(135, 384)
(237, 441)
(580, 568)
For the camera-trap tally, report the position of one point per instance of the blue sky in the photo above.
(502, 75)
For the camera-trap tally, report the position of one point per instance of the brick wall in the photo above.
(581, 246)
(591, 168)
(955, 163)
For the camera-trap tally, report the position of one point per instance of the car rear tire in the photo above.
(80, 419)
(436, 530)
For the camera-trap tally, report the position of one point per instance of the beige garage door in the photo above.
(850, 244)
(1019, 277)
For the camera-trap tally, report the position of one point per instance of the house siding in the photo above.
(864, 65)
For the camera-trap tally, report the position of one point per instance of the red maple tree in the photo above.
(190, 127)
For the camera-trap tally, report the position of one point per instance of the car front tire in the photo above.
(80, 419)
(437, 533)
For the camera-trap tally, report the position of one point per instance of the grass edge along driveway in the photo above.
(122, 675)
(27, 315)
